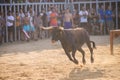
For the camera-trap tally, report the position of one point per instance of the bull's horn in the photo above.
(47, 28)
(61, 28)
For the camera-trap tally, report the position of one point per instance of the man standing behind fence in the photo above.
(109, 19)
(53, 18)
(68, 20)
(10, 25)
(83, 18)
(26, 27)
(101, 13)
(2, 23)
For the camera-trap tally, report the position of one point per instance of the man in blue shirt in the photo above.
(101, 13)
(109, 19)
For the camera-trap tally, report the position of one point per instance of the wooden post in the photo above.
(113, 34)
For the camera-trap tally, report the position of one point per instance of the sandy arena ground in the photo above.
(42, 60)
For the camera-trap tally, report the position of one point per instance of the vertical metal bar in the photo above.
(18, 8)
(104, 24)
(62, 6)
(46, 7)
(65, 5)
(110, 4)
(85, 5)
(6, 29)
(32, 7)
(79, 7)
(43, 6)
(2, 12)
(36, 8)
(58, 7)
(116, 14)
(2, 9)
(22, 7)
(15, 36)
(90, 5)
(40, 8)
(26, 7)
(97, 6)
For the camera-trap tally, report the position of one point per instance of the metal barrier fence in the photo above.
(37, 7)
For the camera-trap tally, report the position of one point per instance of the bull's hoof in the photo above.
(76, 61)
(92, 60)
(84, 62)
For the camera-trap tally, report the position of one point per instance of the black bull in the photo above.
(72, 40)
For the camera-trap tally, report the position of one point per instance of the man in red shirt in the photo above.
(53, 18)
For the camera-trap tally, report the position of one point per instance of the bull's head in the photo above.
(56, 32)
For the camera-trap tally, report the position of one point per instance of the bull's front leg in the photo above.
(68, 55)
(73, 55)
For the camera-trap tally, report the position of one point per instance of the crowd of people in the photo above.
(26, 25)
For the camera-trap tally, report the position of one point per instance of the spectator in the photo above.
(44, 18)
(109, 19)
(76, 19)
(38, 23)
(101, 13)
(53, 18)
(32, 28)
(30, 12)
(18, 25)
(93, 21)
(119, 18)
(10, 26)
(68, 20)
(2, 23)
(71, 6)
(48, 15)
(84, 18)
(62, 15)
(59, 19)
(22, 15)
(26, 27)
(45, 22)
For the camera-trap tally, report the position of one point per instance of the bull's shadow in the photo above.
(83, 74)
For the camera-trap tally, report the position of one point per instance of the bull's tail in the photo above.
(94, 46)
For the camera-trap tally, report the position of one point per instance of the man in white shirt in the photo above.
(83, 18)
(10, 26)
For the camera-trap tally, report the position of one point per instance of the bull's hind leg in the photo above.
(83, 54)
(91, 51)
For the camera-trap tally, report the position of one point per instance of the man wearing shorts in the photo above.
(26, 27)
(109, 19)
(101, 13)
(68, 20)
(10, 26)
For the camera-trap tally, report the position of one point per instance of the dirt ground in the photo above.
(42, 60)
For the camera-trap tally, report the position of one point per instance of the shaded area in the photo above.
(27, 47)
(82, 74)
